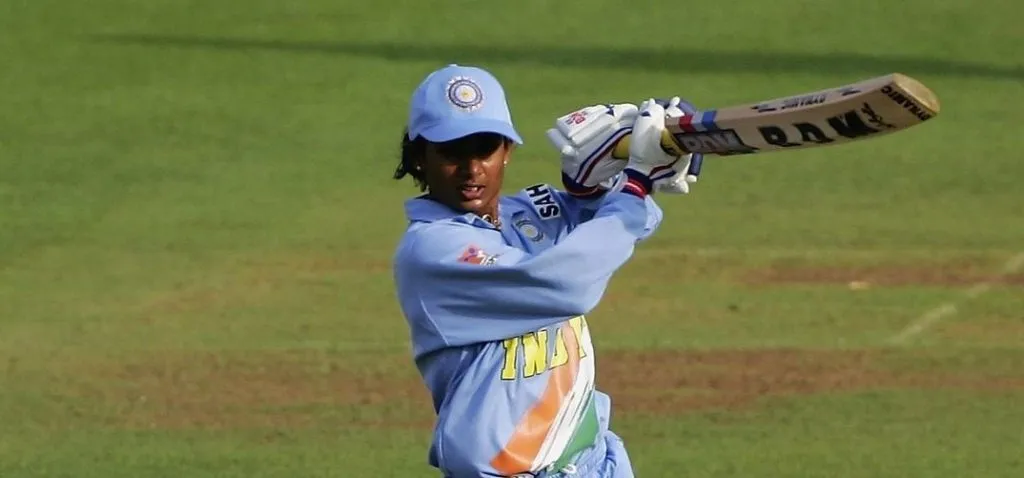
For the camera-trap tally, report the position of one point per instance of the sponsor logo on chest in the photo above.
(543, 200)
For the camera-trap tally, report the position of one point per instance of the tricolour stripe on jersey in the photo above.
(571, 415)
(545, 430)
(585, 434)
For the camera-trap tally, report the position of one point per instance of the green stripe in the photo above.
(584, 437)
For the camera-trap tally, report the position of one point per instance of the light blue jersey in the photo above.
(497, 318)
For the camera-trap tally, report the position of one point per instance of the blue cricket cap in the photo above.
(458, 101)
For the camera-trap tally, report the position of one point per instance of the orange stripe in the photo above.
(523, 447)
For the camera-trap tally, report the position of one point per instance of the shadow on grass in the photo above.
(669, 59)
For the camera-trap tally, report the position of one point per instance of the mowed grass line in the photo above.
(307, 412)
(748, 298)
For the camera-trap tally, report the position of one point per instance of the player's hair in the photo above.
(477, 145)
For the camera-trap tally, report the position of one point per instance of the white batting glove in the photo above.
(585, 139)
(681, 181)
(648, 160)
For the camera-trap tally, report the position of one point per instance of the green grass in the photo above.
(183, 179)
(890, 434)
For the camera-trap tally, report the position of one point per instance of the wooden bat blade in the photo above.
(858, 111)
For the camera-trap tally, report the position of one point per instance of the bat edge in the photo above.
(916, 89)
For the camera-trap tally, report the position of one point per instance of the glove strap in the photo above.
(578, 190)
(637, 183)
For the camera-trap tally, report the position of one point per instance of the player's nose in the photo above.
(470, 168)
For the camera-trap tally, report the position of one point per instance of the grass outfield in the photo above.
(197, 222)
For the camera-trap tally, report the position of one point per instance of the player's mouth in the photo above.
(471, 192)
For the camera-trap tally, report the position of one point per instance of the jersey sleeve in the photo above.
(475, 288)
(580, 210)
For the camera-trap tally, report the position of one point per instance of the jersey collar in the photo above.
(423, 209)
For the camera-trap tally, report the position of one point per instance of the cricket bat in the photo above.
(862, 110)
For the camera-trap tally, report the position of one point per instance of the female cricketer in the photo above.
(495, 288)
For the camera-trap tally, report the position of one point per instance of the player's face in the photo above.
(469, 178)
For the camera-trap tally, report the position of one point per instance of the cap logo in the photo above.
(464, 93)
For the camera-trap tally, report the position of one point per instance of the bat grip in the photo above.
(696, 159)
(668, 144)
(693, 171)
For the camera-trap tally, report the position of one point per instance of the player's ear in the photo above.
(509, 147)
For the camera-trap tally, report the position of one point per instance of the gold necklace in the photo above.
(492, 220)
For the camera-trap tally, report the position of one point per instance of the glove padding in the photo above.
(648, 160)
(681, 181)
(585, 139)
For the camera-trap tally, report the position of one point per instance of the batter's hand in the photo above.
(585, 139)
(648, 160)
(679, 183)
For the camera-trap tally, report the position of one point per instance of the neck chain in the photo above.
(493, 220)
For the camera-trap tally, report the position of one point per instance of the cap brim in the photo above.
(450, 130)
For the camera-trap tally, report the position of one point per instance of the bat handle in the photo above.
(668, 144)
(697, 159)
(693, 171)
(621, 151)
